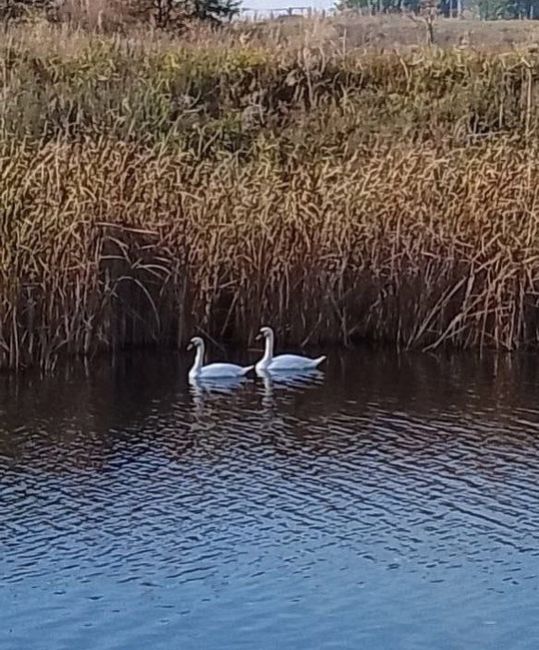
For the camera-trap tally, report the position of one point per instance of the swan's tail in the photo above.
(317, 362)
(246, 369)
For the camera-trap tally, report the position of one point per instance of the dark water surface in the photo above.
(394, 503)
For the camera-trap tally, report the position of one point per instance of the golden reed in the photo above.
(148, 190)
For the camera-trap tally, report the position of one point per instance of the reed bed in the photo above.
(150, 189)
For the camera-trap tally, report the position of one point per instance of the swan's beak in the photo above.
(190, 347)
(258, 337)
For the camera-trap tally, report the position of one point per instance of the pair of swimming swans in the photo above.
(268, 363)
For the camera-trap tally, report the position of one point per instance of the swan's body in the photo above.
(212, 370)
(283, 362)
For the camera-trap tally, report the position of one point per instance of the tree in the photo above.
(176, 13)
(162, 13)
(214, 10)
(380, 6)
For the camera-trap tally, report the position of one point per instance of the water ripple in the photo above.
(134, 506)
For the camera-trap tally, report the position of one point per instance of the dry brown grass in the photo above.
(393, 32)
(389, 197)
(400, 245)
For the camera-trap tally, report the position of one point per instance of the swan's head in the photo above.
(265, 332)
(195, 342)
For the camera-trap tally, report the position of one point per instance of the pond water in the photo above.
(391, 503)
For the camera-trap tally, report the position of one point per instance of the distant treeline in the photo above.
(482, 9)
(176, 13)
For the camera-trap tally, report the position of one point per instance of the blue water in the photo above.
(393, 503)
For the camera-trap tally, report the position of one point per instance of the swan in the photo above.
(283, 362)
(212, 370)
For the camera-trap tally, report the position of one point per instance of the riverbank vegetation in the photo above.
(151, 187)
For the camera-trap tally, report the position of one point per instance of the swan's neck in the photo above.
(199, 360)
(268, 352)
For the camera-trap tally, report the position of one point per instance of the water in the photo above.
(394, 503)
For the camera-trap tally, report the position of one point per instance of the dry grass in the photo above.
(149, 190)
(393, 32)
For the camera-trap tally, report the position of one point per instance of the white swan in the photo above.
(212, 370)
(283, 362)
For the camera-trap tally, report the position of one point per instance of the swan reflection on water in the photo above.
(204, 390)
(223, 386)
(298, 379)
(227, 386)
(215, 390)
(288, 382)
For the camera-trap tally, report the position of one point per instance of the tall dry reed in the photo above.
(149, 189)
